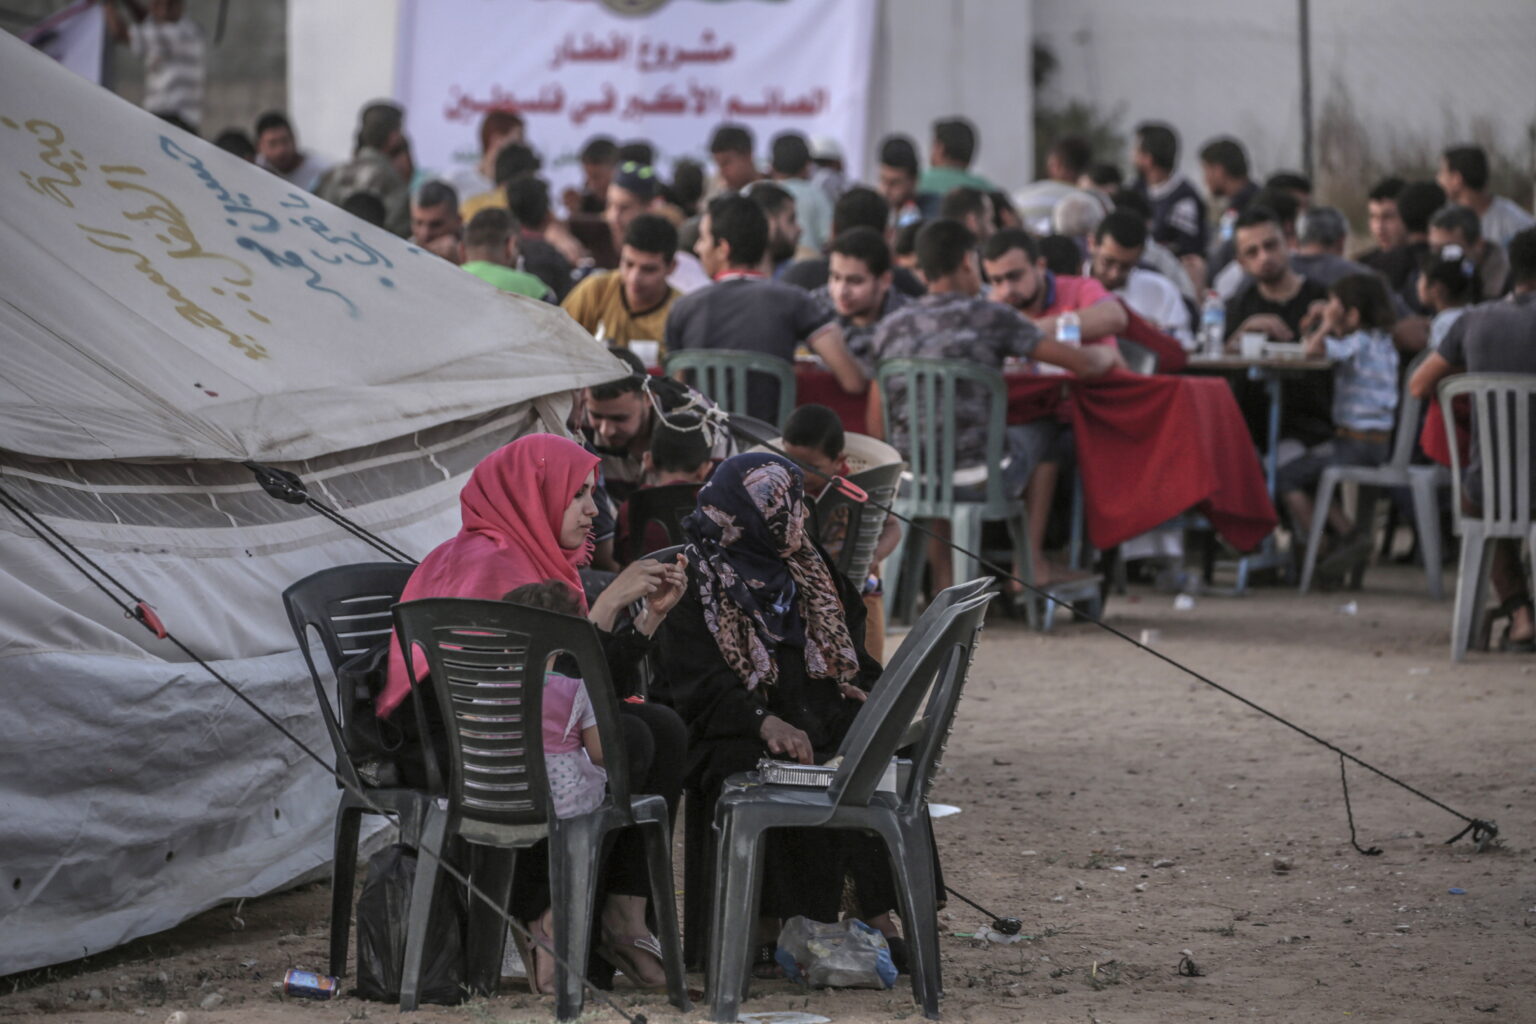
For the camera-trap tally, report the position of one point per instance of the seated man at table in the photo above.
(631, 303)
(953, 321)
(620, 417)
(1020, 279)
(1274, 304)
(857, 207)
(745, 311)
(860, 291)
(1115, 249)
(1495, 337)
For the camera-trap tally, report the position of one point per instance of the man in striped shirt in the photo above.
(174, 53)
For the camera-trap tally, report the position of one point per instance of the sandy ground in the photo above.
(1074, 757)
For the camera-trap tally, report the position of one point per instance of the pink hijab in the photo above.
(512, 509)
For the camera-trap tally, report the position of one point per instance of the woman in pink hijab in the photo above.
(527, 513)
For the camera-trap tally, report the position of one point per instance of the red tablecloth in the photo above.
(1149, 448)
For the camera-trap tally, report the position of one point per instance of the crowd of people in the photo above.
(761, 646)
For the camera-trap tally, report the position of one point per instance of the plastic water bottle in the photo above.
(1213, 324)
(1069, 329)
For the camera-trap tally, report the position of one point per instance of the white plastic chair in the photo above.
(1424, 482)
(1501, 425)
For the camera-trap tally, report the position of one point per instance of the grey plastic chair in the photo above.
(1138, 358)
(698, 839)
(1501, 426)
(931, 387)
(1424, 482)
(486, 661)
(725, 375)
(936, 675)
(348, 609)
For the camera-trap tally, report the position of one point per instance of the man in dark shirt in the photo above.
(1178, 212)
(1224, 165)
(528, 201)
(1390, 256)
(744, 311)
(857, 207)
(1495, 337)
(860, 291)
(1274, 304)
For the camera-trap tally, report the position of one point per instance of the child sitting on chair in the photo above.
(813, 437)
(680, 453)
(1355, 332)
(573, 764)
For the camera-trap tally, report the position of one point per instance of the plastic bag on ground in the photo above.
(849, 954)
(383, 914)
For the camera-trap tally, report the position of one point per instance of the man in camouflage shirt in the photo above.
(380, 138)
(953, 322)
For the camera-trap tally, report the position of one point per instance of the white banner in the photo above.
(74, 36)
(667, 73)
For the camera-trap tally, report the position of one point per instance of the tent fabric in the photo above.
(167, 311)
(166, 299)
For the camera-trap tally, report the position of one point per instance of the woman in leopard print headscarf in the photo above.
(764, 657)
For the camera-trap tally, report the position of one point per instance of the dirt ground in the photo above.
(1127, 814)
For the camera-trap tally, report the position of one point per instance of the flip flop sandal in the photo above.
(622, 953)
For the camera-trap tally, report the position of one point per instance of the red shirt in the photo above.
(1073, 293)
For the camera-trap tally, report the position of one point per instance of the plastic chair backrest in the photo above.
(1138, 358)
(931, 390)
(665, 506)
(1501, 427)
(939, 714)
(725, 374)
(849, 529)
(1406, 439)
(486, 661)
(882, 723)
(348, 608)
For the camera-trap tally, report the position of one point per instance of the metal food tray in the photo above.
(788, 773)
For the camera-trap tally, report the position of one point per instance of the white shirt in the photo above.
(174, 55)
(1504, 220)
(305, 176)
(688, 275)
(1155, 299)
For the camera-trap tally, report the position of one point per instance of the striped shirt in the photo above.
(174, 55)
(1364, 380)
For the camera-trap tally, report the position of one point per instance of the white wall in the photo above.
(1412, 69)
(968, 57)
(341, 55)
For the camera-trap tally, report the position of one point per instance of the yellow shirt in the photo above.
(495, 199)
(599, 300)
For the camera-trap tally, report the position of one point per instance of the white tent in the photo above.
(166, 312)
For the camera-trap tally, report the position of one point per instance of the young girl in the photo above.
(1447, 285)
(1355, 332)
(573, 752)
(573, 764)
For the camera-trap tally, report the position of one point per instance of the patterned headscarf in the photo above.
(756, 593)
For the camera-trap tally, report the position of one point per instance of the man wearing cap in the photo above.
(635, 190)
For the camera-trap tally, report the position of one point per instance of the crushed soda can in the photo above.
(309, 985)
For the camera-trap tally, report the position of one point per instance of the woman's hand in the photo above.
(783, 738)
(670, 590)
(851, 692)
(637, 580)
